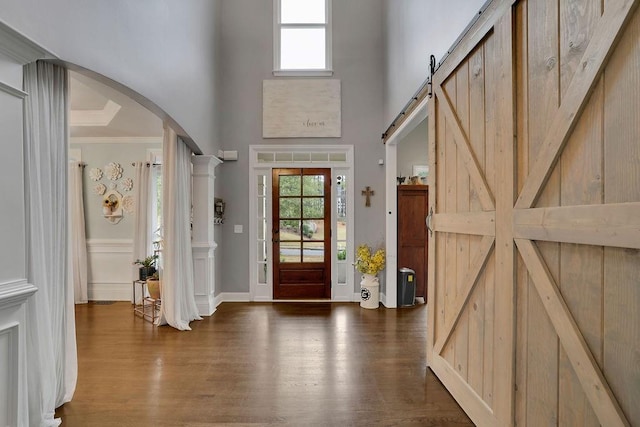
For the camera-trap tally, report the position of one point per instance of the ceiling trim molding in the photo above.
(13, 90)
(20, 48)
(116, 140)
(94, 117)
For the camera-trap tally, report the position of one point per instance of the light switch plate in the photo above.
(237, 228)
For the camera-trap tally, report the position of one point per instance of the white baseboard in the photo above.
(232, 297)
(109, 291)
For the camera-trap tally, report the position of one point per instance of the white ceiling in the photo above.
(100, 111)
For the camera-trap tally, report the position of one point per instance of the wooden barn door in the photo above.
(471, 258)
(534, 263)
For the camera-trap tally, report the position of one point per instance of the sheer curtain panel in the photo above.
(51, 347)
(77, 235)
(142, 217)
(178, 306)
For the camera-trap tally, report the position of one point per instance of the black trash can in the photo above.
(406, 287)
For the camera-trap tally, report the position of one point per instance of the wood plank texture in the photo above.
(476, 223)
(615, 224)
(543, 100)
(476, 310)
(621, 288)
(522, 170)
(469, 159)
(468, 283)
(504, 326)
(593, 61)
(581, 184)
(258, 364)
(593, 381)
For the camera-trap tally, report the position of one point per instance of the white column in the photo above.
(203, 243)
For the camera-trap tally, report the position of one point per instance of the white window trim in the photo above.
(264, 291)
(328, 70)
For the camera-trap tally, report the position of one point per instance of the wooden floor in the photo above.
(298, 364)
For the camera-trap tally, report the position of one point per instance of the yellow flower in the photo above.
(367, 263)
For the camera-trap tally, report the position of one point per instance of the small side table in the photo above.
(149, 308)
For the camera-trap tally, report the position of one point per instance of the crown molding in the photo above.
(20, 48)
(94, 117)
(116, 140)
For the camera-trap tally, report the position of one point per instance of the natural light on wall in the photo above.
(302, 35)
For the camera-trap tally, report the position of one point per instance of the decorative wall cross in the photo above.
(368, 192)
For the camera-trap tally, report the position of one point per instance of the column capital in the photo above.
(205, 160)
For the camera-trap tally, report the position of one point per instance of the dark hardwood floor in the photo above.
(297, 364)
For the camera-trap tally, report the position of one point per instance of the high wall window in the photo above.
(302, 37)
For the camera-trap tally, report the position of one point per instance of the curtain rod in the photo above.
(149, 164)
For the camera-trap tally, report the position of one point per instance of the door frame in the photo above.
(262, 160)
(391, 198)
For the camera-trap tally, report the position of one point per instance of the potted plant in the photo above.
(147, 266)
(154, 286)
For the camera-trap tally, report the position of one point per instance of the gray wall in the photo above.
(12, 212)
(358, 61)
(97, 155)
(415, 30)
(413, 150)
(162, 49)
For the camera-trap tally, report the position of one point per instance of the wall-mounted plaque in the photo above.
(301, 109)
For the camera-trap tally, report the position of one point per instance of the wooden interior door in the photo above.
(413, 206)
(301, 233)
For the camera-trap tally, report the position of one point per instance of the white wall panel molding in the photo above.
(110, 245)
(9, 379)
(13, 374)
(7, 88)
(110, 269)
(15, 293)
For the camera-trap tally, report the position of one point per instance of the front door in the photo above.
(301, 233)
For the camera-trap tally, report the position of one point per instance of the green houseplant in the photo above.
(147, 266)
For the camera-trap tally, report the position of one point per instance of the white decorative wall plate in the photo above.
(99, 189)
(113, 171)
(128, 204)
(95, 174)
(127, 184)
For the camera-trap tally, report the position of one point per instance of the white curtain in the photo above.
(178, 306)
(142, 217)
(51, 346)
(78, 240)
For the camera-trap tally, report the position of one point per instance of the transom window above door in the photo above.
(302, 38)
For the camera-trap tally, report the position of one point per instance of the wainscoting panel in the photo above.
(110, 269)
(13, 374)
(9, 343)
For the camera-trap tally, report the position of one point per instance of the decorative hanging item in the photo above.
(128, 204)
(113, 171)
(367, 192)
(113, 186)
(112, 206)
(127, 184)
(95, 174)
(99, 189)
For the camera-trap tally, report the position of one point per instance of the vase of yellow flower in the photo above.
(369, 265)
